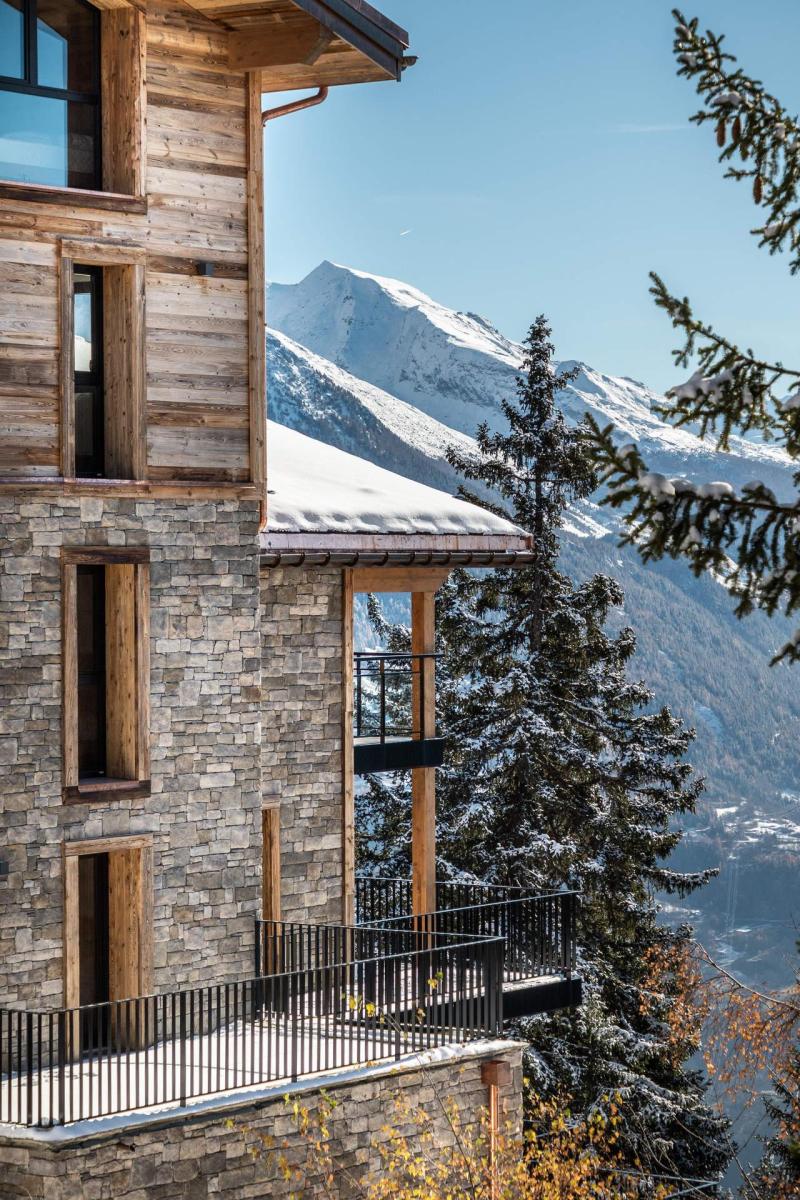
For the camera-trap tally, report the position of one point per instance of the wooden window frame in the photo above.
(123, 106)
(131, 729)
(138, 851)
(125, 395)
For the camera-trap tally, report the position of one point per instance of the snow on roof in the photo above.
(315, 488)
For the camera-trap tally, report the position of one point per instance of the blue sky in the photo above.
(542, 161)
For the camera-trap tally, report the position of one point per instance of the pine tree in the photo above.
(750, 538)
(560, 774)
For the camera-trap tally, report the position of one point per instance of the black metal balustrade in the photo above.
(324, 998)
(538, 932)
(390, 693)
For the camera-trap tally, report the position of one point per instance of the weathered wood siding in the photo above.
(196, 339)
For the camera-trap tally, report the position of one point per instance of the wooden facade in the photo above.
(178, 232)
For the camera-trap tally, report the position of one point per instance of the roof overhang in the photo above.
(395, 550)
(309, 43)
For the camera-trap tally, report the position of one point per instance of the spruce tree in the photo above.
(560, 774)
(752, 539)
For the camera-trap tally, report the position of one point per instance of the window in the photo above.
(105, 673)
(50, 93)
(102, 360)
(87, 329)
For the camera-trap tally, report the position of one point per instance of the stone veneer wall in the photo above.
(204, 811)
(209, 1157)
(301, 674)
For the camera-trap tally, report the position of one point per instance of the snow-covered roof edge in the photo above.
(325, 502)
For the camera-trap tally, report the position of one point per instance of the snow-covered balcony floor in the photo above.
(171, 1074)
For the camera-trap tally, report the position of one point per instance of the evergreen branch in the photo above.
(750, 124)
(731, 388)
(751, 539)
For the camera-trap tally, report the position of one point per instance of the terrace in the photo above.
(323, 998)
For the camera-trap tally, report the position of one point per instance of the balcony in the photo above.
(390, 693)
(538, 933)
(323, 999)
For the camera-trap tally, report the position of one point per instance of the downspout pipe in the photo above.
(285, 110)
(271, 114)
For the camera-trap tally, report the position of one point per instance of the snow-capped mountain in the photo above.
(457, 369)
(377, 368)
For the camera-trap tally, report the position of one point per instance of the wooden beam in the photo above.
(107, 845)
(399, 579)
(272, 44)
(71, 935)
(271, 863)
(123, 34)
(256, 319)
(69, 675)
(348, 779)
(423, 779)
(66, 365)
(121, 675)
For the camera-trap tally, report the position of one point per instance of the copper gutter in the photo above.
(285, 110)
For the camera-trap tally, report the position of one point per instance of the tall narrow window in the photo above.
(87, 310)
(50, 92)
(106, 673)
(102, 361)
(91, 672)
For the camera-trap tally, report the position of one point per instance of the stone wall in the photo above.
(301, 675)
(210, 1157)
(204, 810)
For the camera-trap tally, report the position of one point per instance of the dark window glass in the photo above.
(12, 39)
(87, 316)
(91, 607)
(50, 118)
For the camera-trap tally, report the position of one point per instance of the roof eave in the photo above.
(398, 550)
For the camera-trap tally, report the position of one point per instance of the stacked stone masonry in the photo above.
(302, 734)
(204, 810)
(211, 1156)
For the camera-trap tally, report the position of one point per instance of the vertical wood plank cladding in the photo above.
(271, 863)
(69, 674)
(121, 677)
(123, 334)
(256, 285)
(142, 623)
(66, 366)
(123, 109)
(72, 945)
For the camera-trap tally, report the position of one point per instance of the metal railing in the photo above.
(390, 693)
(538, 932)
(327, 998)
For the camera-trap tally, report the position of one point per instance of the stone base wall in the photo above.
(204, 810)
(212, 1157)
(301, 674)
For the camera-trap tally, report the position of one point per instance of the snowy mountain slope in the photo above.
(315, 397)
(394, 377)
(457, 368)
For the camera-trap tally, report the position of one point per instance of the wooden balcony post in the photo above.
(348, 782)
(423, 779)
